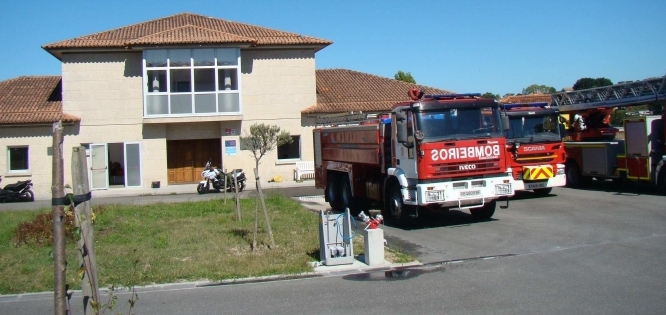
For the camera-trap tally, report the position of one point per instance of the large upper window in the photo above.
(18, 159)
(191, 81)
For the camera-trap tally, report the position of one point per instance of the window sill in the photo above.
(287, 162)
(17, 174)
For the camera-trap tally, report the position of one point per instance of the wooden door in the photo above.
(187, 158)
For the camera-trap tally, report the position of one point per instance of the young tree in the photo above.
(404, 77)
(261, 140)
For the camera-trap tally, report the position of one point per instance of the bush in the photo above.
(39, 231)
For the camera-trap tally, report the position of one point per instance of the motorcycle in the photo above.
(20, 191)
(215, 177)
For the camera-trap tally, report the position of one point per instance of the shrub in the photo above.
(39, 231)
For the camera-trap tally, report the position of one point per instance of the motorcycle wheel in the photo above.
(242, 186)
(27, 195)
(201, 189)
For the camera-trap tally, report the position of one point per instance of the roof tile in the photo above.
(32, 99)
(341, 90)
(185, 28)
(530, 98)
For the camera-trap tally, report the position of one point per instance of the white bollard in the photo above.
(374, 247)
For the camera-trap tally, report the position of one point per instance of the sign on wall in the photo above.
(230, 147)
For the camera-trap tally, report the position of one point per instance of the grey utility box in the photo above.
(335, 239)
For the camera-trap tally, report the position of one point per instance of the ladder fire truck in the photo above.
(534, 146)
(437, 152)
(596, 153)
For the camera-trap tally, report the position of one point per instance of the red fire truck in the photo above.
(596, 153)
(437, 151)
(534, 146)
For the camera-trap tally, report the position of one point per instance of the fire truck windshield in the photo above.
(459, 123)
(531, 128)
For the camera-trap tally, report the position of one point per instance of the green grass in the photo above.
(171, 242)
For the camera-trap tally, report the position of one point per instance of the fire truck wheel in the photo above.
(543, 191)
(333, 192)
(394, 211)
(661, 182)
(574, 177)
(484, 213)
(346, 198)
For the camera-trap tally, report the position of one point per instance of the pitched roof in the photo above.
(530, 98)
(341, 90)
(30, 100)
(184, 28)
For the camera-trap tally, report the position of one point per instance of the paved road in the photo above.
(595, 251)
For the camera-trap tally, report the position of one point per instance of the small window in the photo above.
(18, 159)
(290, 151)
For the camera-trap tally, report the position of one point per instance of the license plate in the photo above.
(536, 185)
(470, 193)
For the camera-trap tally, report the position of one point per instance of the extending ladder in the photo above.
(623, 94)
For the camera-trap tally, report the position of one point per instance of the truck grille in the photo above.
(542, 157)
(457, 169)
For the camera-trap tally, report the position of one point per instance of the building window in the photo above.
(18, 159)
(182, 82)
(291, 151)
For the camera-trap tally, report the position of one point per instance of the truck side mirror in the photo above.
(505, 123)
(401, 130)
(563, 130)
(401, 126)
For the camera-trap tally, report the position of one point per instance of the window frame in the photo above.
(9, 159)
(222, 59)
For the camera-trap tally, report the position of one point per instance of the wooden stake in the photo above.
(86, 243)
(58, 216)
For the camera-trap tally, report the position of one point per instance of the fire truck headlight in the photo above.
(560, 171)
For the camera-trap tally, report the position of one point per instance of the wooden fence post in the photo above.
(83, 219)
(58, 217)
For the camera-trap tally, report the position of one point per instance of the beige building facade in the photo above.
(158, 110)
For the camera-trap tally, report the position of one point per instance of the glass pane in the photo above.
(157, 81)
(291, 150)
(204, 57)
(227, 56)
(204, 80)
(133, 164)
(228, 79)
(18, 159)
(228, 102)
(204, 103)
(181, 104)
(98, 166)
(157, 105)
(181, 80)
(179, 57)
(155, 58)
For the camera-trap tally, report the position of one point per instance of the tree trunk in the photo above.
(58, 216)
(263, 205)
(86, 242)
(256, 222)
(238, 213)
(224, 187)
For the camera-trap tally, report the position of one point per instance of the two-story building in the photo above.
(153, 101)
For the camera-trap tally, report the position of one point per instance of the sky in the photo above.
(465, 46)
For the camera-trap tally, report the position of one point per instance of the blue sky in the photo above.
(463, 46)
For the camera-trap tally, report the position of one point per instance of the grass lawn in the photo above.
(172, 242)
